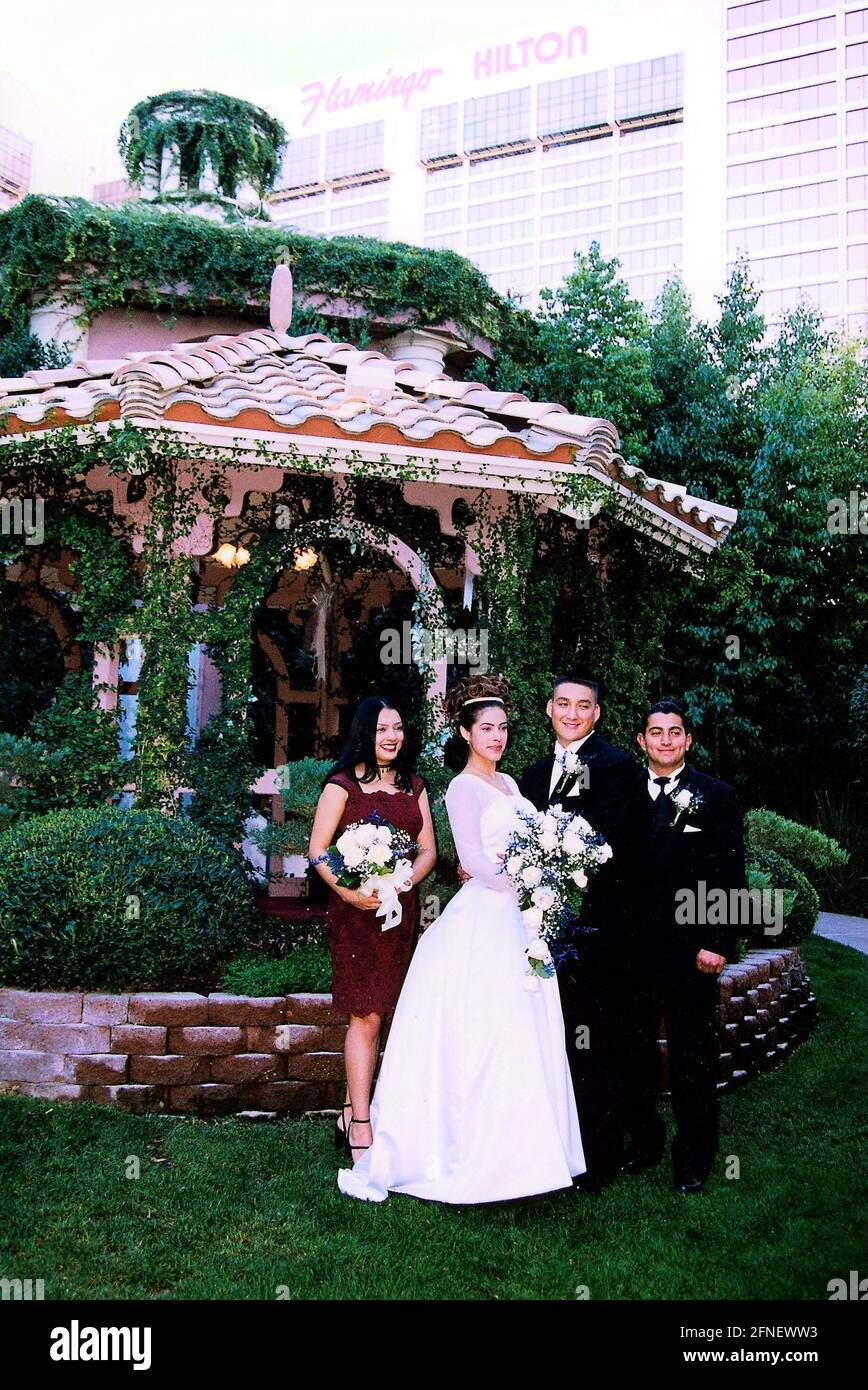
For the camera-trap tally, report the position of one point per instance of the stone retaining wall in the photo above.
(220, 1053)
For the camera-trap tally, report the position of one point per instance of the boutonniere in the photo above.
(685, 802)
(573, 768)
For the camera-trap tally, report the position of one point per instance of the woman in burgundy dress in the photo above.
(373, 773)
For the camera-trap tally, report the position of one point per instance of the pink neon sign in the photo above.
(489, 62)
(341, 98)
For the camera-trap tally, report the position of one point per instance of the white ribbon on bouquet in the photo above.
(388, 886)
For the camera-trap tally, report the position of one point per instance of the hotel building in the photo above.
(677, 136)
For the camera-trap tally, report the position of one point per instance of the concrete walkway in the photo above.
(850, 931)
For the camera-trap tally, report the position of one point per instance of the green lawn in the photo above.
(227, 1210)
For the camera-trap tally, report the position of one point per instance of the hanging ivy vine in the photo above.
(99, 258)
(241, 141)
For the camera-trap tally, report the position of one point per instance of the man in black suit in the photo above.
(602, 789)
(692, 846)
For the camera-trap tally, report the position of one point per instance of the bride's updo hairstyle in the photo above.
(464, 703)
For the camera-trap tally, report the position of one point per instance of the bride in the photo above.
(474, 1101)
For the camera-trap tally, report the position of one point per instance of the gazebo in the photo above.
(276, 442)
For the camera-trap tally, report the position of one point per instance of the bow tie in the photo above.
(664, 782)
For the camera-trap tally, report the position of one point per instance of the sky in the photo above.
(69, 73)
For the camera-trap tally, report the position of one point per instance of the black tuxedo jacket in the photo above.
(703, 858)
(609, 803)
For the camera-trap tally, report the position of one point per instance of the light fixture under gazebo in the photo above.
(231, 556)
(306, 559)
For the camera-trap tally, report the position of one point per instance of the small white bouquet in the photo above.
(550, 857)
(372, 856)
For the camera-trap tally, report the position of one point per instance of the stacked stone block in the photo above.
(221, 1053)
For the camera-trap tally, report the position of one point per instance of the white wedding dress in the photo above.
(474, 1101)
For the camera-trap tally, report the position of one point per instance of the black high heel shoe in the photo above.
(342, 1138)
(350, 1145)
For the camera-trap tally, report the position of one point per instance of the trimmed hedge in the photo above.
(768, 869)
(119, 899)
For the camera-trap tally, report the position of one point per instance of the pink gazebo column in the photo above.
(106, 665)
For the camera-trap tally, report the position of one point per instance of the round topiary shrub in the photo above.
(767, 869)
(119, 899)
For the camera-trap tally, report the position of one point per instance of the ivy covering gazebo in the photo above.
(184, 488)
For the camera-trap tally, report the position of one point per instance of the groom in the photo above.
(592, 778)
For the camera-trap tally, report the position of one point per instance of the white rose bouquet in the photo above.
(373, 856)
(550, 857)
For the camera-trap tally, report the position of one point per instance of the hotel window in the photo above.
(782, 103)
(784, 70)
(579, 169)
(649, 207)
(646, 159)
(857, 55)
(806, 132)
(764, 11)
(774, 302)
(857, 257)
(857, 155)
(567, 245)
(439, 132)
(443, 197)
(634, 139)
(856, 22)
(577, 220)
(359, 212)
(517, 283)
(856, 88)
(436, 221)
(857, 189)
(499, 119)
(505, 255)
(802, 198)
(647, 287)
(505, 231)
(505, 183)
(650, 258)
(308, 214)
(507, 207)
(813, 31)
(574, 103)
(654, 182)
(786, 166)
(644, 233)
(354, 149)
(650, 87)
(776, 234)
(574, 196)
(857, 122)
(857, 291)
(15, 158)
(796, 266)
(857, 222)
(300, 163)
(555, 273)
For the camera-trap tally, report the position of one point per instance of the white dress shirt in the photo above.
(560, 751)
(654, 788)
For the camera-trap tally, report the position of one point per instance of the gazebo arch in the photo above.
(429, 604)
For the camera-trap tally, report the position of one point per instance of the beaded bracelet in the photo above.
(320, 859)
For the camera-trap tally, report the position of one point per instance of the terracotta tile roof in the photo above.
(267, 382)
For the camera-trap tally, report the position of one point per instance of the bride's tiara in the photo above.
(483, 700)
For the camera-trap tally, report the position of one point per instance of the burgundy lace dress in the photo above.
(369, 964)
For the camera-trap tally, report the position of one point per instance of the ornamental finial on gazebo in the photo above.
(280, 302)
